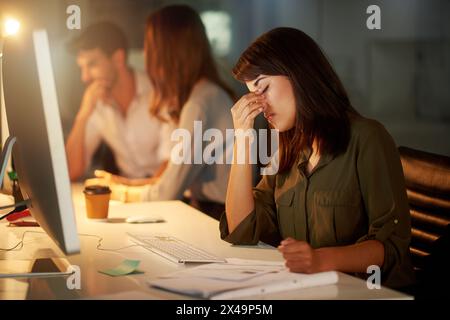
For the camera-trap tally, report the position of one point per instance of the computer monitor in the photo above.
(33, 119)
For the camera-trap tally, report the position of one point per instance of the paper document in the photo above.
(233, 270)
(239, 278)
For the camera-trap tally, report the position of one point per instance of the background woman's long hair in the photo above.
(178, 55)
(322, 104)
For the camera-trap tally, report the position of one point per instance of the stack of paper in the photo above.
(239, 278)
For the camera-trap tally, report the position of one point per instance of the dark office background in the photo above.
(399, 75)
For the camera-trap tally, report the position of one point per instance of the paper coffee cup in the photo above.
(97, 201)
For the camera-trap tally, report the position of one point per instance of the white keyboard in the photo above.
(174, 249)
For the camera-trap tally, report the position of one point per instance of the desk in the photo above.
(183, 222)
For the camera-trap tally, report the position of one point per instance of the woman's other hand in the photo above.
(300, 256)
(110, 178)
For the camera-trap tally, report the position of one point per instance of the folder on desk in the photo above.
(238, 279)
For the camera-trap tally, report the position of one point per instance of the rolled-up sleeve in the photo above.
(383, 190)
(261, 224)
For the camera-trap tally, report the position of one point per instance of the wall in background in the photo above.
(399, 75)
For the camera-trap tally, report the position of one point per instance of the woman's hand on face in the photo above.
(246, 109)
(299, 256)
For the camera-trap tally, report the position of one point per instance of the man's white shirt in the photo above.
(139, 141)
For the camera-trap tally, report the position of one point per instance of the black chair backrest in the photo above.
(427, 178)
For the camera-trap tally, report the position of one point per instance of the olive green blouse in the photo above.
(356, 196)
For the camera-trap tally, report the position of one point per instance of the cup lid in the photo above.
(97, 189)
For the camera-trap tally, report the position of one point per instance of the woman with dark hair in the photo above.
(186, 89)
(338, 200)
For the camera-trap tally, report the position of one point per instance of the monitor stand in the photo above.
(42, 268)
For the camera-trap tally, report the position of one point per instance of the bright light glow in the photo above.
(11, 27)
(218, 28)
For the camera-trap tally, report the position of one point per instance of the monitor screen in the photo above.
(33, 118)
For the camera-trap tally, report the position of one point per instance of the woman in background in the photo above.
(338, 201)
(186, 88)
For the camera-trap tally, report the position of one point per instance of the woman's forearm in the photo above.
(239, 200)
(353, 258)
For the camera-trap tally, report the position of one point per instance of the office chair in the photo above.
(427, 179)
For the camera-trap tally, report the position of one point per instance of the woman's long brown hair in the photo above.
(178, 55)
(322, 104)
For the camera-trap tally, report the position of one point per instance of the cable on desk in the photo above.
(99, 244)
(20, 243)
(100, 239)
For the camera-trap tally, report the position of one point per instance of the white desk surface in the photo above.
(183, 222)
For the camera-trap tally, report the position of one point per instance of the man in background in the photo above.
(114, 108)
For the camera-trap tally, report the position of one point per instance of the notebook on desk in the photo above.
(239, 279)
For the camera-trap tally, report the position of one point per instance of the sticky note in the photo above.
(125, 268)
